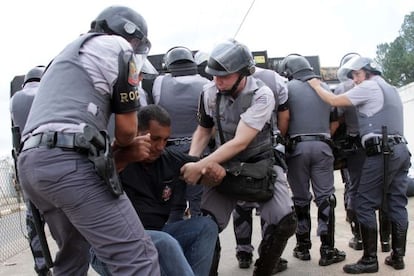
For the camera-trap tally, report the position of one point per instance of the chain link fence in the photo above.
(12, 213)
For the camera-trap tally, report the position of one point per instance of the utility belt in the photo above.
(91, 142)
(292, 142)
(349, 145)
(65, 141)
(179, 141)
(373, 145)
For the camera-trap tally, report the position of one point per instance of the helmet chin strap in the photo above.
(232, 91)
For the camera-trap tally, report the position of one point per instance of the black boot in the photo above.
(281, 266)
(303, 240)
(329, 254)
(273, 243)
(369, 261)
(244, 258)
(303, 245)
(385, 231)
(399, 241)
(355, 242)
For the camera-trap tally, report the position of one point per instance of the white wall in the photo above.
(407, 97)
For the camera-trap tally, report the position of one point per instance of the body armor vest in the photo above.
(21, 103)
(180, 98)
(66, 91)
(391, 114)
(308, 113)
(230, 111)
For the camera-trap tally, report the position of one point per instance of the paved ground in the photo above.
(22, 263)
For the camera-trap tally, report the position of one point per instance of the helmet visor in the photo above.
(345, 71)
(148, 70)
(141, 46)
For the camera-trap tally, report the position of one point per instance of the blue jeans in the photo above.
(197, 237)
(170, 255)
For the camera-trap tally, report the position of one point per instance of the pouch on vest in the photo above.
(253, 182)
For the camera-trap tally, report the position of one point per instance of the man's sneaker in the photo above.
(245, 259)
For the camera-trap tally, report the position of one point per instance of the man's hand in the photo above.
(212, 174)
(191, 172)
(315, 82)
(137, 151)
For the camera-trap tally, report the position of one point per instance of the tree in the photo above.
(397, 58)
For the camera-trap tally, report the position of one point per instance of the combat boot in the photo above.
(329, 254)
(303, 245)
(385, 231)
(281, 266)
(245, 259)
(355, 242)
(273, 243)
(369, 261)
(399, 241)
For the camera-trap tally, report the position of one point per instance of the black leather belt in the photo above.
(304, 138)
(179, 141)
(392, 140)
(66, 141)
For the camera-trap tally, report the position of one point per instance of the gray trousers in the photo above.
(311, 163)
(271, 212)
(370, 190)
(81, 212)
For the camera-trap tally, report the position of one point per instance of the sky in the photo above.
(33, 32)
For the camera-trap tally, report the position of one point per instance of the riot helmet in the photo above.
(200, 57)
(347, 58)
(358, 63)
(230, 57)
(148, 70)
(178, 54)
(124, 22)
(341, 73)
(34, 74)
(295, 66)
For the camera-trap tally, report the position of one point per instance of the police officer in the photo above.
(310, 161)
(20, 105)
(95, 75)
(355, 157)
(245, 110)
(178, 92)
(380, 115)
(242, 214)
(353, 154)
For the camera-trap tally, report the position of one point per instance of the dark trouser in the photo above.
(35, 246)
(81, 212)
(243, 225)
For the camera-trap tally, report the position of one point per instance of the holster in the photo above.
(100, 154)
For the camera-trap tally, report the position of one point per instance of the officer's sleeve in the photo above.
(125, 95)
(204, 120)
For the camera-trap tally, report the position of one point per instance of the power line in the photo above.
(244, 18)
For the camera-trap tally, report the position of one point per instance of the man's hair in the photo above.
(152, 112)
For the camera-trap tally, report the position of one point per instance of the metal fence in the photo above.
(12, 213)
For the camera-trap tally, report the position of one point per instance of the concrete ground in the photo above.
(22, 263)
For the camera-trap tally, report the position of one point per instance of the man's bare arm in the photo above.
(201, 137)
(327, 96)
